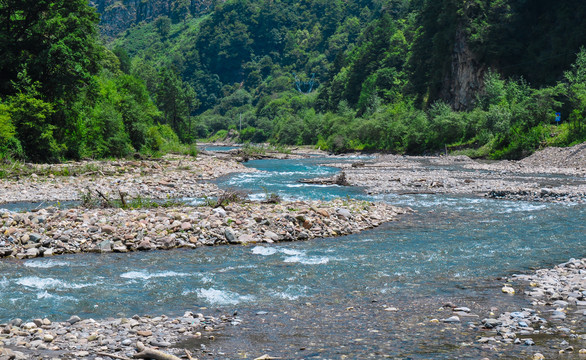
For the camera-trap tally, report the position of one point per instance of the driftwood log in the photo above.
(339, 179)
(148, 353)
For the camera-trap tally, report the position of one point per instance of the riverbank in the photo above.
(169, 177)
(109, 338)
(551, 175)
(556, 319)
(54, 231)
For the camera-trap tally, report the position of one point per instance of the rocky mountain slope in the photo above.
(119, 15)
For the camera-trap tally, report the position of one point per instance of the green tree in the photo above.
(163, 26)
(53, 45)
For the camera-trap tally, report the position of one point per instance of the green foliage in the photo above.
(10, 146)
(31, 117)
(380, 71)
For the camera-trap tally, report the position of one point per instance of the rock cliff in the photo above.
(119, 15)
(465, 78)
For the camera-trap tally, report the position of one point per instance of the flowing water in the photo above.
(325, 298)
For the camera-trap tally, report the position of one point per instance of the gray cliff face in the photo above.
(465, 78)
(119, 15)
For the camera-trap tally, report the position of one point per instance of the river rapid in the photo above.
(367, 295)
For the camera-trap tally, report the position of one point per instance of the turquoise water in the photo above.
(219, 148)
(282, 177)
(452, 249)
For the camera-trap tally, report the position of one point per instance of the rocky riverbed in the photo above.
(172, 176)
(555, 320)
(108, 338)
(550, 175)
(53, 231)
(557, 316)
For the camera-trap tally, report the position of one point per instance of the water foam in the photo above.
(145, 275)
(222, 297)
(307, 260)
(44, 264)
(262, 250)
(48, 283)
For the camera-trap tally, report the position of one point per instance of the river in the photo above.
(366, 295)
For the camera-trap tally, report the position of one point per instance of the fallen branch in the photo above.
(104, 197)
(122, 200)
(189, 357)
(148, 353)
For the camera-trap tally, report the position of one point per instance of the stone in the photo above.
(144, 245)
(107, 229)
(560, 304)
(529, 342)
(29, 326)
(118, 246)
(219, 212)
(34, 237)
(229, 234)
(32, 253)
(508, 290)
(186, 226)
(344, 212)
(156, 343)
(145, 333)
(322, 212)
(48, 338)
(464, 309)
(558, 315)
(451, 319)
(73, 319)
(491, 323)
(271, 235)
(538, 356)
(484, 340)
(245, 239)
(105, 246)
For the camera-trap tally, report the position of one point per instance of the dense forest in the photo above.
(481, 77)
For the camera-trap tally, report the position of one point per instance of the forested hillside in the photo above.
(63, 94)
(485, 77)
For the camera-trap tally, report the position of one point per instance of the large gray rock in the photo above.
(229, 234)
(34, 237)
(105, 246)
